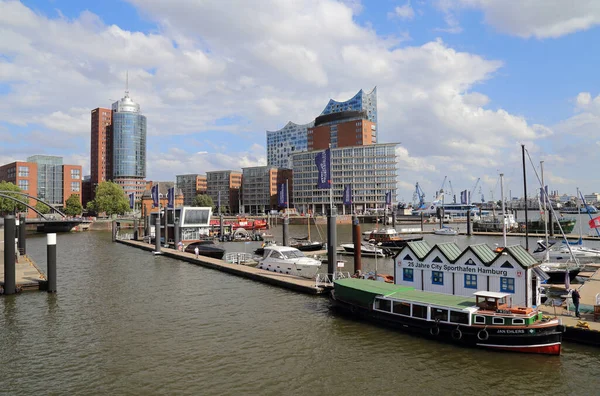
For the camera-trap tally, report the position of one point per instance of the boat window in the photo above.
(439, 314)
(459, 317)
(498, 321)
(383, 305)
(407, 274)
(507, 285)
(437, 277)
(518, 321)
(419, 311)
(276, 255)
(470, 281)
(291, 254)
(401, 308)
(479, 319)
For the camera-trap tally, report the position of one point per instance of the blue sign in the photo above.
(323, 162)
(281, 195)
(171, 197)
(348, 194)
(131, 200)
(155, 196)
(388, 198)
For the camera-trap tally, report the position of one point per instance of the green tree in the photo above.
(9, 206)
(110, 199)
(203, 200)
(42, 207)
(73, 206)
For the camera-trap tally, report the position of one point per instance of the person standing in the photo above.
(196, 251)
(575, 296)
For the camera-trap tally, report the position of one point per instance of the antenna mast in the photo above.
(127, 83)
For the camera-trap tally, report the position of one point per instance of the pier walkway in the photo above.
(291, 282)
(28, 275)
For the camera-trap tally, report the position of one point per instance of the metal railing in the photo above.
(326, 280)
(239, 257)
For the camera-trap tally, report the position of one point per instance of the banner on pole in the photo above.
(155, 196)
(348, 194)
(131, 200)
(171, 198)
(281, 195)
(388, 198)
(323, 162)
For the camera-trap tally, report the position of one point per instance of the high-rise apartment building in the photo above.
(370, 171)
(190, 186)
(100, 147)
(118, 146)
(340, 124)
(345, 124)
(259, 187)
(288, 140)
(224, 189)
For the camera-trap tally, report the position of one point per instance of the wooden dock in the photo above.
(286, 281)
(27, 275)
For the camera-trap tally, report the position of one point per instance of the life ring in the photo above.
(434, 331)
(483, 335)
(456, 334)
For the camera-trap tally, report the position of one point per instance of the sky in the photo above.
(461, 84)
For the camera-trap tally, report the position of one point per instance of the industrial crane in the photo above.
(452, 192)
(473, 190)
(441, 191)
(418, 197)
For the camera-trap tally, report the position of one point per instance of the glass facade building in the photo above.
(129, 146)
(283, 143)
(49, 178)
(362, 101)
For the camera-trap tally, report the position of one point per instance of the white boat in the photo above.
(561, 252)
(451, 210)
(366, 249)
(445, 231)
(288, 260)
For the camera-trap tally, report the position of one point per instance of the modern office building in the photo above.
(224, 189)
(259, 188)
(345, 124)
(370, 171)
(191, 185)
(118, 146)
(288, 140)
(129, 146)
(44, 177)
(592, 199)
(100, 147)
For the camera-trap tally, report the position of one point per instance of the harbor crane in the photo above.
(452, 192)
(473, 191)
(418, 197)
(441, 191)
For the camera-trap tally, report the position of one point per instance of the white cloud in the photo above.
(533, 18)
(404, 12)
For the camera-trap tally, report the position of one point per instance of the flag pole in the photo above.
(287, 196)
(331, 180)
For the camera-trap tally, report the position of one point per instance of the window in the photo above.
(23, 171)
(439, 314)
(75, 174)
(24, 185)
(479, 319)
(498, 321)
(437, 277)
(470, 281)
(401, 308)
(518, 321)
(507, 285)
(407, 274)
(75, 187)
(383, 305)
(419, 311)
(459, 317)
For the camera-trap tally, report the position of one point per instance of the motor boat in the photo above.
(445, 231)
(288, 260)
(366, 249)
(389, 238)
(206, 248)
(555, 252)
(304, 245)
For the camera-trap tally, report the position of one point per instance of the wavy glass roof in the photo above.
(360, 102)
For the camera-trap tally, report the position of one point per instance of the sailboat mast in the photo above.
(503, 212)
(525, 198)
(545, 209)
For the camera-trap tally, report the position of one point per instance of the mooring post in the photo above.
(422, 222)
(135, 229)
(331, 241)
(286, 226)
(22, 235)
(221, 229)
(157, 249)
(468, 222)
(176, 232)
(393, 219)
(148, 229)
(357, 242)
(114, 230)
(51, 260)
(10, 285)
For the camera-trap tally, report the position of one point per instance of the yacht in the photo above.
(288, 260)
(366, 249)
(453, 210)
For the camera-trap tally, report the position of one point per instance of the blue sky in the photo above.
(461, 83)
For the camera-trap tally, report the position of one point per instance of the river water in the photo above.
(126, 322)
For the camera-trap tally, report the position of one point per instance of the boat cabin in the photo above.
(492, 301)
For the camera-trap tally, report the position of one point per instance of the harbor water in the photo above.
(127, 322)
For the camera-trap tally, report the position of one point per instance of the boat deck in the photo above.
(286, 281)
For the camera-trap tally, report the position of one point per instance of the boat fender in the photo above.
(457, 334)
(434, 330)
(483, 335)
